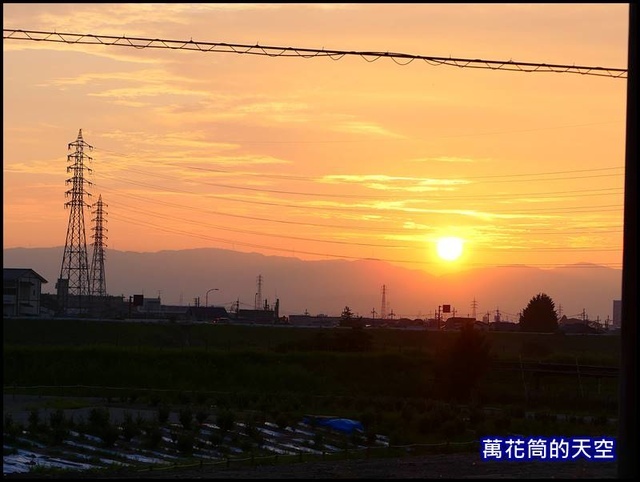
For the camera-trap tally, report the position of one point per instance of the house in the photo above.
(318, 321)
(457, 322)
(265, 317)
(260, 316)
(21, 290)
(211, 314)
(576, 326)
(504, 326)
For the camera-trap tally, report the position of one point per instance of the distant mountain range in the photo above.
(328, 286)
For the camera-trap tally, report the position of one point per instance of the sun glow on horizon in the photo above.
(450, 248)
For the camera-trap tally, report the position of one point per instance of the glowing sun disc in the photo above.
(450, 248)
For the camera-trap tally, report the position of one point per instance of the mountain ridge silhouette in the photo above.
(327, 286)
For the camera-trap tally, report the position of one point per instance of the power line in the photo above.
(360, 207)
(201, 224)
(119, 193)
(591, 192)
(271, 51)
(191, 234)
(338, 179)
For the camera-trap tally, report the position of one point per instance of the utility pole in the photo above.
(74, 272)
(628, 386)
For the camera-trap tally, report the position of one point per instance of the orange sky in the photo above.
(318, 158)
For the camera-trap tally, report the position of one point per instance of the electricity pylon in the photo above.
(74, 273)
(97, 277)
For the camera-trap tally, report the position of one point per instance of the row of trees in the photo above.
(539, 316)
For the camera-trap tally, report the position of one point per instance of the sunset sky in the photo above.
(319, 158)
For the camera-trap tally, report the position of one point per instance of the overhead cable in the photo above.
(271, 51)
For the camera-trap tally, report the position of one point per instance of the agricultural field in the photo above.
(87, 440)
(398, 383)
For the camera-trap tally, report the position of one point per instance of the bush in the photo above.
(201, 417)
(163, 414)
(461, 366)
(226, 419)
(152, 436)
(186, 418)
(130, 428)
(109, 435)
(59, 427)
(11, 429)
(185, 442)
(98, 420)
(34, 421)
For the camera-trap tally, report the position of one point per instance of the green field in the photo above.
(586, 349)
(387, 377)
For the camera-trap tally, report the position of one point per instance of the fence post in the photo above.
(579, 379)
(524, 383)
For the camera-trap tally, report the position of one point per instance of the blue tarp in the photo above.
(345, 425)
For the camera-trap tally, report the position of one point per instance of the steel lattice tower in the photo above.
(383, 308)
(97, 278)
(258, 300)
(75, 267)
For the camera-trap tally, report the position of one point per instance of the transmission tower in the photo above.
(383, 308)
(258, 300)
(74, 274)
(474, 308)
(98, 281)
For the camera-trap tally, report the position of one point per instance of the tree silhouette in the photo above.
(540, 315)
(461, 366)
(347, 318)
(347, 314)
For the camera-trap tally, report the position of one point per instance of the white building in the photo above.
(21, 289)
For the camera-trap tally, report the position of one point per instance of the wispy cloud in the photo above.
(464, 160)
(38, 167)
(361, 127)
(384, 182)
(143, 76)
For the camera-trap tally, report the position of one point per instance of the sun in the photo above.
(450, 248)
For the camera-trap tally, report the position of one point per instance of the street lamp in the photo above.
(206, 296)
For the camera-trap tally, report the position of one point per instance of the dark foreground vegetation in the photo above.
(414, 387)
